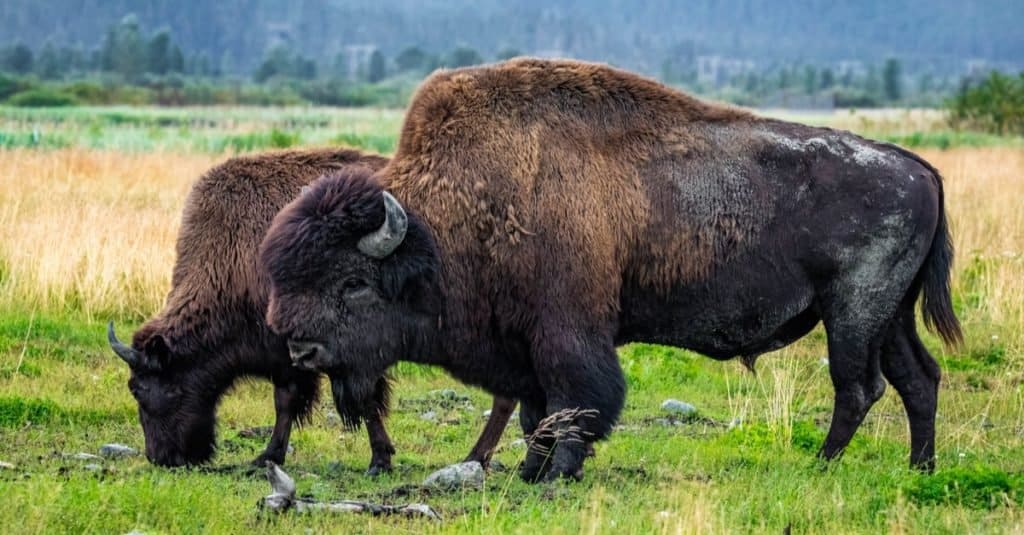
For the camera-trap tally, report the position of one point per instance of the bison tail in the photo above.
(937, 302)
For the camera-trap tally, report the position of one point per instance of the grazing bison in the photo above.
(540, 213)
(212, 331)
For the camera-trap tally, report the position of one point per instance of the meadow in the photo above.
(90, 201)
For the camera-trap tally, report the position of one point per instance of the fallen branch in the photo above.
(283, 499)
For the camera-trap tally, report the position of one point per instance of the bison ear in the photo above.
(157, 350)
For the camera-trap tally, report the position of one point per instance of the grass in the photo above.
(87, 230)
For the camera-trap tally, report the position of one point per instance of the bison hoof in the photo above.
(261, 461)
(377, 469)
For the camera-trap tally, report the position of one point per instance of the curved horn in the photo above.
(126, 353)
(383, 241)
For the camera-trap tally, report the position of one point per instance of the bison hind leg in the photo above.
(913, 372)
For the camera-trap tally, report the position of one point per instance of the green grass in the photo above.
(741, 465)
(208, 129)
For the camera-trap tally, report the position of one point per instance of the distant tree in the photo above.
(280, 61)
(158, 52)
(48, 64)
(123, 49)
(827, 79)
(892, 75)
(873, 84)
(463, 56)
(810, 79)
(17, 58)
(412, 58)
(996, 104)
(377, 69)
(175, 60)
(507, 53)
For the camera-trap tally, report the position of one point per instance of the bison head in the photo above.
(175, 409)
(353, 284)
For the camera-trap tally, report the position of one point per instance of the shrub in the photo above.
(42, 98)
(996, 104)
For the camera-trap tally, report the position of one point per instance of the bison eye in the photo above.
(353, 284)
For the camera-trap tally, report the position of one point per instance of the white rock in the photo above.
(113, 451)
(6, 465)
(518, 443)
(469, 474)
(429, 416)
(674, 406)
(93, 467)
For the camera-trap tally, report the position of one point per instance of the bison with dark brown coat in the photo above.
(211, 331)
(543, 212)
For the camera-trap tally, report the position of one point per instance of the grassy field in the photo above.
(87, 227)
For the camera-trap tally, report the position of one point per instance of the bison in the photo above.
(212, 332)
(537, 214)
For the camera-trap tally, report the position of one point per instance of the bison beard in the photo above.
(558, 209)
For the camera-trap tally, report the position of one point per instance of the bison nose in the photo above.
(304, 353)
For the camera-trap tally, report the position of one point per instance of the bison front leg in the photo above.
(501, 411)
(380, 443)
(294, 396)
(585, 390)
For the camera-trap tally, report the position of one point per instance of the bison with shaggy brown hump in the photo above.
(537, 214)
(211, 332)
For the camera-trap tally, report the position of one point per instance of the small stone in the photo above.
(6, 465)
(824, 361)
(487, 413)
(429, 416)
(674, 406)
(291, 449)
(518, 443)
(85, 457)
(468, 474)
(736, 422)
(114, 451)
(93, 467)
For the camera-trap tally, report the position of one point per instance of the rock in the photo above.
(429, 416)
(518, 443)
(115, 451)
(487, 413)
(824, 361)
(736, 422)
(86, 457)
(93, 467)
(290, 449)
(681, 408)
(4, 465)
(470, 474)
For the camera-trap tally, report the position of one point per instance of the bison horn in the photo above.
(126, 353)
(383, 241)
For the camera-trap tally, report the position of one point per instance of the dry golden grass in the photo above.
(94, 231)
(90, 231)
